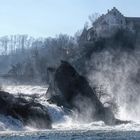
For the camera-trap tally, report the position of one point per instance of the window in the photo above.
(114, 13)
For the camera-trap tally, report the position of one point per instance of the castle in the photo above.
(108, 24)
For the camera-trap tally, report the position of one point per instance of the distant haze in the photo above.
(50, 17)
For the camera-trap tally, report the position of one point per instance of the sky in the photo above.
(48, 18)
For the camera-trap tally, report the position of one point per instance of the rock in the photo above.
(71, 90)
(28, 111)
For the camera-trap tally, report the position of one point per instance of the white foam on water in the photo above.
(61, 121)
(8, 123)
(25, 89)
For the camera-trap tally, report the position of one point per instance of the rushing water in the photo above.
(64, 127)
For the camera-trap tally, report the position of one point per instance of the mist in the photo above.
(118, 73)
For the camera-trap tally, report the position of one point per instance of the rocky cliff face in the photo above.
(72, 91)
(29, 112)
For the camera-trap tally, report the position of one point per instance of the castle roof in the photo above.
(113, 11)
(134, 20)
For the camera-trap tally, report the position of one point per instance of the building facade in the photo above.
(106, 25)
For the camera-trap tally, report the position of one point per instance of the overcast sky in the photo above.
(50, 17)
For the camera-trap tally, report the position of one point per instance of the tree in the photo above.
(93, 17)
(4, 40)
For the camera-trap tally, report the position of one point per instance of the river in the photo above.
(64, 127)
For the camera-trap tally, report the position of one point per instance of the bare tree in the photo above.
(93, 17)
(4, 40)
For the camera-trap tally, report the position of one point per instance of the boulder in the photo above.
(28, 111)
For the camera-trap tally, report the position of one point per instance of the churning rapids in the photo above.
(64, 127)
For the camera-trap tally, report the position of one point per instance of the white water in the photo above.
(60, 120)
(62, 124)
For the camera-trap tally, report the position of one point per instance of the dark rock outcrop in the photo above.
(71, 90)
(28, 111)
